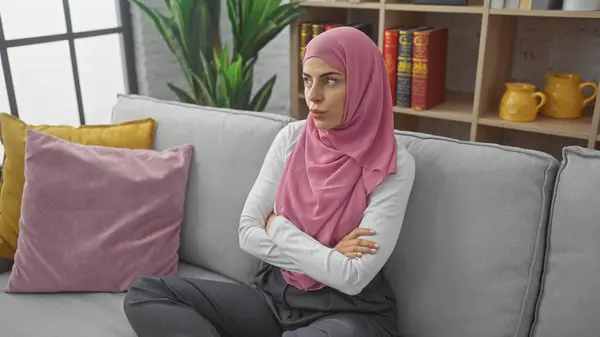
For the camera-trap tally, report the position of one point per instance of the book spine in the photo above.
(329, 26)
(419, 71)
(511, 4)
(305, 36)
(525, 4)
(429, 68)
(497, 4)
(317, 28)
(404, 68)
(390, 55)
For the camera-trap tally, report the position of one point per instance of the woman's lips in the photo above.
(317, 113)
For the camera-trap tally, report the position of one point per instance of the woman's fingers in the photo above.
(362, 249)
(352, 246)
(355, 251)
(353, 255)
(358, 232)
(363, 243)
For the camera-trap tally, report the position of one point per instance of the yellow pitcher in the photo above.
(565, 95)
(519, 102)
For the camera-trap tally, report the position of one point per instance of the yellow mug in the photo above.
(519, 102)
(565, 95)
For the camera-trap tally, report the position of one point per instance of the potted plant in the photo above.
(217, 74)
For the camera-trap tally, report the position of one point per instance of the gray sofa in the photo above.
(497, 241)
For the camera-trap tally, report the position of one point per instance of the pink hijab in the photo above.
(329, 174)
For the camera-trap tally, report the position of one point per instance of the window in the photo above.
(65, 61)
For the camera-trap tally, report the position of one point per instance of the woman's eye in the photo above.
(307, 82)
(330, 81)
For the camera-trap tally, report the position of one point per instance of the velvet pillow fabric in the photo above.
(132, 134)
(96, 218)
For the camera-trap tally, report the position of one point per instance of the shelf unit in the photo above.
(486, 55)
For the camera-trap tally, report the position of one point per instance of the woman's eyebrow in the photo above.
(325, 74)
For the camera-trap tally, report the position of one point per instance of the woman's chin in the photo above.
(324, 124)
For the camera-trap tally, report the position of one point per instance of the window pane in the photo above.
(92, 15)
(102, 75)
(44, 85)
(29, 18)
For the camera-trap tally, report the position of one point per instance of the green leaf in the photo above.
(181, 94)
(201, 33)
(208, 97)
(214, 14)
(261, 98)
(235, 78)
(209, 77)
(245, 90)
(207, 82)
(222, 96)
(164, 27)
(268, 8)
(206, 14)
(179, 9)
(156, 18)
(190, 29)
(233, 14)
(257, 38)
(220, 87)
(234, 71)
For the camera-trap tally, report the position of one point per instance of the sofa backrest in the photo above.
(472, 249)
(229, 149)
(569, 302)
(468, 261)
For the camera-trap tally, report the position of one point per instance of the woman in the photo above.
(326, 185)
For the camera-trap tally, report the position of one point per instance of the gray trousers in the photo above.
(174, 306)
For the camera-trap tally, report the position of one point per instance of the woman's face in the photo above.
(325, 93)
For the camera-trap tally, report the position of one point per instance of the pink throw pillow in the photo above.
(96, 218)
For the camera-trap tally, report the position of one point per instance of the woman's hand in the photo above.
(270, 219)
(354, 247)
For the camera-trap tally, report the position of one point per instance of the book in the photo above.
(525, 4)
(405, 65)
(329, 26)
(317, 28)
(309, 30)
(541, 4)
(430, 49)
(305, 37)
(390, 56)
(497, 4)
(441, 2)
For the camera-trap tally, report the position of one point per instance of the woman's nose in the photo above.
(315, 95)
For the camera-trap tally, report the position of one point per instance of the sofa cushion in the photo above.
(137, 134)
(73, 314)
(229, 148)
(570, 299)
(469, 255)
(95, 218)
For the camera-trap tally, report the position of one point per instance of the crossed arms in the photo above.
(289, 248)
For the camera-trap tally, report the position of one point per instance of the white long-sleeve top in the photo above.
(289, 248)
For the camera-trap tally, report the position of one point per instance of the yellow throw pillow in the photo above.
(137, 134)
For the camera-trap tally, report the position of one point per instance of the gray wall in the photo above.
(156, 66)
